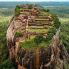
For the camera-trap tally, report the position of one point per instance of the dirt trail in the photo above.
(17, 47)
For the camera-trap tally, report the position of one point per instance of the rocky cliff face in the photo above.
(54, 56)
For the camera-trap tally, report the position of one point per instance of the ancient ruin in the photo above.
(52, 57)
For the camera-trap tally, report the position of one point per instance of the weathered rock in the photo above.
(53, 57)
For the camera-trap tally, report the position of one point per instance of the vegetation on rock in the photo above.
(39, 41)
(17, 10)
(56, 21)
(18, 34)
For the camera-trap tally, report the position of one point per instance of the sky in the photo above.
(36, 0)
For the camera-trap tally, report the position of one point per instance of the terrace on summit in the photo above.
(33, 20)
(35, 16)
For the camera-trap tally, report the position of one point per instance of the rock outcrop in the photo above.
(54, 56)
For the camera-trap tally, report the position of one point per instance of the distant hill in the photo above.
(62, 11)
(59, 8)
(13, 4)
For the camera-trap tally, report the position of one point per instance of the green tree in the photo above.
(17, 10)
(47, 10)
(30, 6)
(50, 34)
(56, 21)
(18, 34)
(38, 39)
(7, 64)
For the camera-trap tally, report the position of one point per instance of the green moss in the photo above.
(18, 34)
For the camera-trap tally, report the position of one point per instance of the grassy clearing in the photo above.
(64, 20)
(4, 18)
(30, 44)
(38, 30)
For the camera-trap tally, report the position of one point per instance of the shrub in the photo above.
(30, 6)
(45, 10)
(56, 21)
(38, 39)
(17, 10)
(18, 34)
(7, 64)
(50, 34)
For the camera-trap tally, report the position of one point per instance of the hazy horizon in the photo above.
(34, 0)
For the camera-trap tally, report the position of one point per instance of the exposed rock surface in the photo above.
(53, 57)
